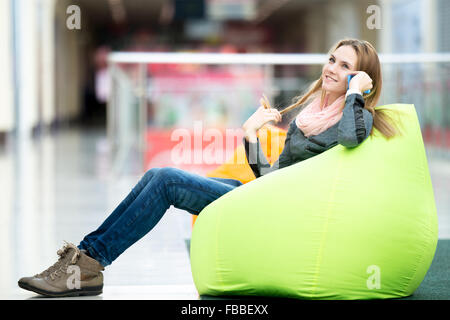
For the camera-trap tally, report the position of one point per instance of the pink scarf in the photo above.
(313, 119)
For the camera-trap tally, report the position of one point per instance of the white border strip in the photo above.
(260, 58)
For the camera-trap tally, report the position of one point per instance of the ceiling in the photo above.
(100, 11)
(149, 11)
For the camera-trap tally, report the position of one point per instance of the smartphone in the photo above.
(349, 77)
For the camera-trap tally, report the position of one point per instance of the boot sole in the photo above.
(88, 291)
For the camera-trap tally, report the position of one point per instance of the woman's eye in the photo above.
(345, 65)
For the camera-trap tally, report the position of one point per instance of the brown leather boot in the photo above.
(74, 274)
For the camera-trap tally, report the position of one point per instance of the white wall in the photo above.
(47, 77)
(26, 35)
(32, 30)
(6, 79)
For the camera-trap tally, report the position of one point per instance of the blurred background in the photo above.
(90, 102)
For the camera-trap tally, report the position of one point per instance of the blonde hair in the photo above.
(367, 61)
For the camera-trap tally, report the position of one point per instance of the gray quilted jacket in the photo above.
(353, 128)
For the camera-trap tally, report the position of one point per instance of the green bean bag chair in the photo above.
(350, 223)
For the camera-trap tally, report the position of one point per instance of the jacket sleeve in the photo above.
(258, 161)
(356, 122)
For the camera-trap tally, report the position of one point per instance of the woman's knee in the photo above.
(161, 172)
(168, 173)
(149, 174)
(162, 175)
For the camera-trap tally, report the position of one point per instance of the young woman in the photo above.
(333, 114)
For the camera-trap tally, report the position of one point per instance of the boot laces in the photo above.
(61, 265)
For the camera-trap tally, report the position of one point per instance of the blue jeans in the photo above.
(145, 205)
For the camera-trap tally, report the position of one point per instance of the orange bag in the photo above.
(237, 167)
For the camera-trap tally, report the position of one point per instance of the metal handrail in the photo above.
(261, 58)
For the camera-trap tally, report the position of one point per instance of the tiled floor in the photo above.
(61, 188)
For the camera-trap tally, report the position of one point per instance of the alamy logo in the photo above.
(374, 20)
(74, 20)
(374, 280)
(74, 280)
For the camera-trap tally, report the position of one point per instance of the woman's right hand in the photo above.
(259, 119)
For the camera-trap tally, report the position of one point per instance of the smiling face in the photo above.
(334, 73)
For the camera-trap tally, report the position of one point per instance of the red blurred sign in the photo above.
(195, 150)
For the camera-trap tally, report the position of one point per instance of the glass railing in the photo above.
(157, 99)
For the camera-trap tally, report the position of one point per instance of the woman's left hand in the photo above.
(361, 81)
